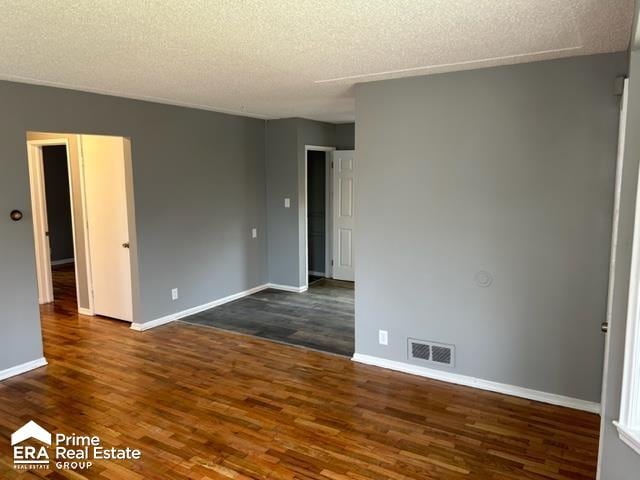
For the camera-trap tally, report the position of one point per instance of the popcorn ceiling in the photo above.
(279, 58)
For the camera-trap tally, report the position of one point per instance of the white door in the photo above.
(343, 214)
(108, 221)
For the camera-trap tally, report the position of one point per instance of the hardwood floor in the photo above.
(321, 318)
(229, 406)
(64, 284)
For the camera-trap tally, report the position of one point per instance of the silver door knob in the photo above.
(604, 326)
(125, 245)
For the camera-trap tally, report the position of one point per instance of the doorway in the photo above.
(81, 195)
(60, 222)
(53, 220)
(329, 214)
(318, 216)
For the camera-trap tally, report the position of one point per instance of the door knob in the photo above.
(125, 244)
(604, 326)
(16, 215)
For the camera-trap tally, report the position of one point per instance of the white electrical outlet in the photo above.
(383, 337)
(174, 294)
(254, 233)
(287, 203)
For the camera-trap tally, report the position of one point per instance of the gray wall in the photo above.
(199, 181)
(508, 170)
(346, 136)
(282, 182)
(285, 157)
(56, 180)
(618, 461)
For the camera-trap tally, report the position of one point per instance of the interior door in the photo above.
(108, 222)
(343, 214)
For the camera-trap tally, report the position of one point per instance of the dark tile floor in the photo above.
(321, 318)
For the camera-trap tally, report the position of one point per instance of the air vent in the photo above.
(431, 352)
(441, 354)
(421, 351)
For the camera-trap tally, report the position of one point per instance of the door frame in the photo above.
(35, 160)
(328, 211)
(622, 129)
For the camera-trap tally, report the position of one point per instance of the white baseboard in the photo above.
(63, 261)
(85, 311)
(141, 327)
(22, 368)
(458, 379)
(317, 274)
(288, 288)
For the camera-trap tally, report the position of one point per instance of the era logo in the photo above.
(30, 456)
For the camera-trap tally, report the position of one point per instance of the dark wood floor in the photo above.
(64, 284)
(321, 318)
(229, 406)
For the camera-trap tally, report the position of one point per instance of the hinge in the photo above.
(332, 164)
(332, 263)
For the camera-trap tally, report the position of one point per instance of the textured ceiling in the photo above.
(635, 40)
(279, 58)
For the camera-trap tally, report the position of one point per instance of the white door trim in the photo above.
(85, 227)
(328, 205)
(328, 217)
(39, 213)
(39, 216)
(622, 128)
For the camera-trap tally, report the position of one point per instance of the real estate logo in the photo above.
(33, 446)
(30, 455)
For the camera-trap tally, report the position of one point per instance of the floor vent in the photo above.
(431, 352)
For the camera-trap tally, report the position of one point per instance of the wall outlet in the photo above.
(254, 233)
(287, 203)
(174, 294)
(383, 337)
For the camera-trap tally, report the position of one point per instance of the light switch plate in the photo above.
(254, 233)
(287, 203)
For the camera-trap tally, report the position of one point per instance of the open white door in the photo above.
(343, 214)
(108, 220)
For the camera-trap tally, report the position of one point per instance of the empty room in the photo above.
(320, 240)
